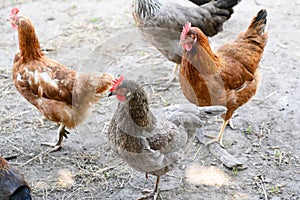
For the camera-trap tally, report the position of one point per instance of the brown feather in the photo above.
(62, 95)
(228, 77)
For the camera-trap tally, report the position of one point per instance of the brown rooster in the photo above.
(12, 183)
(62, 95)
(160, 22)
(229, 77)
(153, 143)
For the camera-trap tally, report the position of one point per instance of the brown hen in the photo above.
(229, 77)
(62, 95)
(160, 22)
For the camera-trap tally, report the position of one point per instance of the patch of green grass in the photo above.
(274, 189)
(74, 6)
(248, 130)
(277, 153)
(142, 53)
(107, 174)
(235, 171)
(94, 20)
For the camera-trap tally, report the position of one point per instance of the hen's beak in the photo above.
(9, 19)
(111, 93)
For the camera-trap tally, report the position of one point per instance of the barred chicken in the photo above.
(161, 21)
(149, 142)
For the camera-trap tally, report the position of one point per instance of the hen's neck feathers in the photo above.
(147, 9)
(139, 109)
(202, 57)
(28, 41)
(133, 116)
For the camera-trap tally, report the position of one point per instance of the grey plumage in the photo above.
(154, 142)
(161, 21)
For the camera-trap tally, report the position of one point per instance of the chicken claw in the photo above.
(231, 124)
(219, 138)
(149, 194)
(55, 146)
(215, 139)
(62, 132)
(170, 78)
(173, 75)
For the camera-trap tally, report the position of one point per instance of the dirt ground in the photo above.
(100, 35)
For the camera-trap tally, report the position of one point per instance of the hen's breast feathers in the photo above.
(150, 154)
(161, 148)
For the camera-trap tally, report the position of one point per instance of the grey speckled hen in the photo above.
(153, 142)
(161, 21)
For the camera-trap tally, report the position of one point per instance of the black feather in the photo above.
(262, 16)
(226, 4)
(200, 2)
(22, 193)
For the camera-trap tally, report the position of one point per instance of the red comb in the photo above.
(117, 82)
(185, 30)
(14, 11)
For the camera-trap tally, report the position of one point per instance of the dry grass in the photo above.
(199, 175)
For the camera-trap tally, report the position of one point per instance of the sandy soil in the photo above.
(101, 36)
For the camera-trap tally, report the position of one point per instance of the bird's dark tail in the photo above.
(22, 193)
(220, 11)
(200, 2)
(258, 23)
(226, 5)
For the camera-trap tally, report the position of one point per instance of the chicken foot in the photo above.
(173, 75)
(62, 132)
(151, 193)
(170, 78)
(219, 138)
(231, 124)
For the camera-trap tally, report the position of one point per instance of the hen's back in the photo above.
(160, 22)
(248, 47)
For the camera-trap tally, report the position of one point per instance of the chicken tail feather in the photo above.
(227, 4)
(258, 23)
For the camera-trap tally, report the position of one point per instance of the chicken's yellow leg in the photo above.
(220, 136)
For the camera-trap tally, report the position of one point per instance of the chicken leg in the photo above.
(173, 75)
(231, 124)
(219, 138)
(151, 193)
(62, 132)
